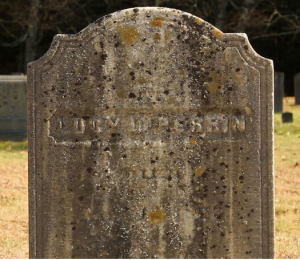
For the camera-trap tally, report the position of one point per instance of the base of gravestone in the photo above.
(287, 117)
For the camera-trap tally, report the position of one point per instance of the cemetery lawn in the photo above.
(13, 200)
(14, 194)
(287, 182)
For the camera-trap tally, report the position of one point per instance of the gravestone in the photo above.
(297, 88)
(13, 108)
(278, 92)
(287, 117)
(150, 136)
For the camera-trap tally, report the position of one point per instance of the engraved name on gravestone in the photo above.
(151, 137)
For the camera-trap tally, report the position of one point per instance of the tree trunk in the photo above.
(32, 30)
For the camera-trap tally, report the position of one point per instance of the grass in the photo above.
(14, 202)
(287, 182)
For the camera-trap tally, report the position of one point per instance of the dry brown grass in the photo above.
(287, 183)
(14, 202)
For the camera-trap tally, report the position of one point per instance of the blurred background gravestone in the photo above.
(297, 88)
(278, 91)
(13, 107)
(287, 117)
(150, 136)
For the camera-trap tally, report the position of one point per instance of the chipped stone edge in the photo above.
(267, 122)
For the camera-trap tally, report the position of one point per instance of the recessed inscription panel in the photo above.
(150, 128)
(86, 128)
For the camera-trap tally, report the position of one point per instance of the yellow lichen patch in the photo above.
(157, 216)
(217, 82)
(87, 214)
(171, 100)
(219, 34)
(157, 37)
(167, 36)
(193, 140)
(199, 171)
(129, 35)
(109, 24)
(240, 78)
(248, 111)
(142, 80)
(158, 21)
(199, 21)
(182, 73)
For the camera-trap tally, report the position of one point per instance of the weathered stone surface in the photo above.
(297, 88)
(13, 99)
(151, 135)
(278, 92)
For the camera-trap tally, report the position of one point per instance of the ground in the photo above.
(14, 195)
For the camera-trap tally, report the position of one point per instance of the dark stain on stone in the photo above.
(106, 149)
(132, 95)
(104, 56)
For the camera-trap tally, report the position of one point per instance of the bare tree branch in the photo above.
(233, 5)
(274, 34)
(8, 32)
(16, 42)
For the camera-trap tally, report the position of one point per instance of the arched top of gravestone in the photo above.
(132, 26)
